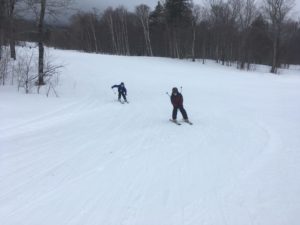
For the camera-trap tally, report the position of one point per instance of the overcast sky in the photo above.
(130, 4)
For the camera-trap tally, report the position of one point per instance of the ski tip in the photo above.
(188, 122)
(176, 122)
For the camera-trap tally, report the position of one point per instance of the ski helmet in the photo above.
(174, 90)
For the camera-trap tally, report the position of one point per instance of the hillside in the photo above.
(86, 159)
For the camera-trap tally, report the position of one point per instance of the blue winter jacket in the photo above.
(121, 89)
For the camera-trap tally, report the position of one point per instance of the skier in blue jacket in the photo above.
(122, 91)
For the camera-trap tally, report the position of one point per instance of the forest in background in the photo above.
(233, 32)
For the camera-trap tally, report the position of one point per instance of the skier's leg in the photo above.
(124, 97)
(174, 114)
(183, 112)
(119, 97)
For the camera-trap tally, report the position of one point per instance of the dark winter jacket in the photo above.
(121, 89)
(177, 100)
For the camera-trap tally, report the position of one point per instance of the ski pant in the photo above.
(123, 95)
(182, 110)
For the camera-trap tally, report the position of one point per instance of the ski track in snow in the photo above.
(86, 159)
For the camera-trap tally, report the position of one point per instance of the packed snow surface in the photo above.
(86, 159)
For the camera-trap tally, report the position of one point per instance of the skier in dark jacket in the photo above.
(122, 91)
(177, 102)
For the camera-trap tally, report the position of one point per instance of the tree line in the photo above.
(239, 32)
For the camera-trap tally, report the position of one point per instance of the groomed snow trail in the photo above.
(85, 159)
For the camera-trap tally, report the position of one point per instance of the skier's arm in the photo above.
(181, 100)
(114, 86)
(172, 100)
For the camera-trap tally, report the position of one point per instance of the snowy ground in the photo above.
(85, 159)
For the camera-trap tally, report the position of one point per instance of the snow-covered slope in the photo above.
(86, 159)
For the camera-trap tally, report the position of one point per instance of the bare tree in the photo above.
(41, 42)
(143, 12)
(204, 28)
(277, 11)
(41, 9)
(122, 32)
(2, 22)
(52, 74)
(25, 72)
(117, 23)
(80, 33)
(10, 8)
(196, 13)
(93, 19)
(84, 26)
(4, 66)
(108, 15)
(246, 14)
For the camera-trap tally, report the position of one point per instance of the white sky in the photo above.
(130, 4)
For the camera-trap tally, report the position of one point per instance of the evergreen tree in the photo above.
(178, 12)
(157, 17)
(158, 34)
(178, 17)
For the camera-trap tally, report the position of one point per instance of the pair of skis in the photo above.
(185, 121)
(123, 102)
(173, 121)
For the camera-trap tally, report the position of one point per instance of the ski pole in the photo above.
(167, 93)
(181, 89)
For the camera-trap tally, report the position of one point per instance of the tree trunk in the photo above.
(12, 42)
(94, 36)
(148, 40)
(169, 39)
(113, 39)
(12, 45)
(126, 34)
(2, 17)
(217, 53)
(175, 44)
(118, 38)
(203, 51)
(193, 44)
(242, 61)
(1, 42)
(275, 54)
(41, 43)
(145, 24)
(89, 41)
